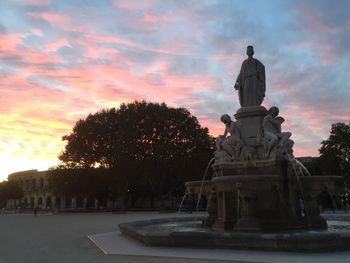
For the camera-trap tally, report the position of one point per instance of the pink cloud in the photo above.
(131, 5)
(313, 20)
(95, 38)
(10, 42)
(38, 104)
(37, 31)
(94, 52)
(34, 2)
(50, 17)
(150, 18)
(308, 114)
(40, 58)
(300, 151)
(216, 127)
(61, 21)
(102, 82)
(107, 39)
(18, 90)
(320, 34)
(157, 20)
(323, 48)
(13, 50)
(54, 46)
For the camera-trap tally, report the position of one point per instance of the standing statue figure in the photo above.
(250, 82)
(273, 131)
(229, 144)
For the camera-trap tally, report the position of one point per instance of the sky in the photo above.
(61, 60)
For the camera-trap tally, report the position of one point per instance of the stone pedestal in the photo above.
(255, 203)
(250, 120)
(272, 199)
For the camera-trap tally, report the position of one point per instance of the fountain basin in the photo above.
(188, 232)
(265, 202)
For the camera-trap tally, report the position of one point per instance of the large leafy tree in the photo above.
(92, 141)
(335, 151)
(155, 147)
(91, 182)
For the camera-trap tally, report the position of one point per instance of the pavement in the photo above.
(68, 238)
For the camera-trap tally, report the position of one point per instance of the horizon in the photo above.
(60, 61)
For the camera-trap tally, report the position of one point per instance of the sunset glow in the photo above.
(61, 60)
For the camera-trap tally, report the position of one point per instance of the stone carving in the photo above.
(228, 147)
(248, 154)
(250, 83)
(274, 137)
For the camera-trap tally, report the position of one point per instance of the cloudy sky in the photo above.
(61, 60)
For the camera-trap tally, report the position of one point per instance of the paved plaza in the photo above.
(64, 238)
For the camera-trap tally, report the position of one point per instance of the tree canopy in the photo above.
(80, 182)
(335, 151)
(136, 131)
(149, 146)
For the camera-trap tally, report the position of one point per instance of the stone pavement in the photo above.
(64, 238)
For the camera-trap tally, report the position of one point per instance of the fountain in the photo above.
(260, 196)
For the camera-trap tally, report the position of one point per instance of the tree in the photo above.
(155, 147)
(89, 182)
(92, 141)
(335, 151)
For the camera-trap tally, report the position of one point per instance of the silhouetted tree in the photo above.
(335, 151)
(86, 182)
(153, 148)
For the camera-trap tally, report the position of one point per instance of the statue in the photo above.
(229, 145)
(250, 82)
(273, 132)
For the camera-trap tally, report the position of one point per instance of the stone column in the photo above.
(250, 121)
(53, 202)
(63, 202)
(43, 205)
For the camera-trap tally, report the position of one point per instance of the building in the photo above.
(37, 193)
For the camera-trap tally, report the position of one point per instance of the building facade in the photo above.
(37, 193)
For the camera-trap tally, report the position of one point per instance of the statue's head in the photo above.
(250, 51)
(225, 118)
(273, 111)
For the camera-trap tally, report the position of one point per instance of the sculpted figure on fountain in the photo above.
(229, 144)
(276, 140)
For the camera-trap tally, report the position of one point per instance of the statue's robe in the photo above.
(251, 81)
